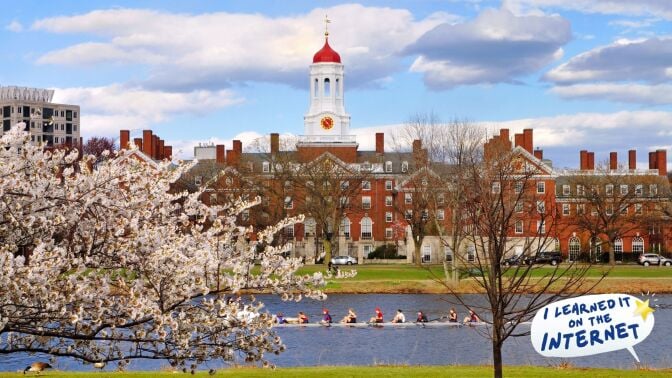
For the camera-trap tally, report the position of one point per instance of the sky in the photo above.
(584, 74)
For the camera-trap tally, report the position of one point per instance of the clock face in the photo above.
(327, 123)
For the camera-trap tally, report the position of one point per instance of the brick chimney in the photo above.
(504, 136)
(613, 161)
(519, 140)
(661, 161)
(155, 146)
(147, 142)
(168, 152)
(652, 160)
(539, 154)
(138, 143)
(583, 160)
(632, 159)
(275, 143)
(124, 137)
(220, 153)
(159, 150)
(590, 161)
(238, 146)
(527, 140)
(380, 143)
(417, 145)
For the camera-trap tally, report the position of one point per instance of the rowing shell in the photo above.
(378, 325)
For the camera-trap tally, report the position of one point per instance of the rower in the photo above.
(326, 318)
(422, 318)
(472, 318)
(303, 319)
(378, 318)
(350, 318)
(399, 317)
(452, 316)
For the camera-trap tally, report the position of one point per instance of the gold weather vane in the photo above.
(327, 21)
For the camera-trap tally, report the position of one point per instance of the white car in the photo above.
(343, 260)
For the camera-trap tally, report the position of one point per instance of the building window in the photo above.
(574, 249)
(344, 201)
(404, 166)
(541, 227)
(518, 187)
(345, 185)
(427, 253)
(366, 185)
(425, 215)
(289, 203)
(289, 231)
(408, 214)
(624, 209)
(638, 209)
(316, 89)
(74, 114)
(367, 227)
(388, 201)
(440, 198)
(440, 214)
(624, 190)
(345, 227)
(471, 254)
(639, 190)
(366, 166)
(519, 207)
(266, 167)
(580, 190)
(448, 253)
(388, 166)
(580, 208)
(389, 234)
(388, 216)
(637, 246)
(653, 190)
(245, 215)
(408, 198)
(388, 185)
(366, 202)
(565, 209)
(565, 190)
(519, 227)
(496, 187)
(609, 190)
(198, 180)
(327, 87)
(541, 207)
(618, 249)
(541, 187)
(337, 88)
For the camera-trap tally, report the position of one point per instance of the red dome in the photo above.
(326, 54)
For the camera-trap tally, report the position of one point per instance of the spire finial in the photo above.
(327, 21)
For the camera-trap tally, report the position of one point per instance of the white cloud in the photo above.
(495, 47)
(107, 109)
(657, 8)
(211, 50)
(642, 59)
(660, 94)
(14, 26)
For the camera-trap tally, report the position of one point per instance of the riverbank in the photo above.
(376, 371)
(409, 279)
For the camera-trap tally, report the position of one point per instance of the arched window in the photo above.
(427, 253)
(367, 228)
(637, 246)
(327, 87)
(345, 227)
(574, 249)
(471, 253)
(309, 226)
(316, 90)
(337, 88)
(596, 248)
(618, 249)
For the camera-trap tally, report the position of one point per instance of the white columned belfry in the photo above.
(326, 119)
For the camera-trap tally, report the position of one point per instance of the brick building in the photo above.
(360, 200)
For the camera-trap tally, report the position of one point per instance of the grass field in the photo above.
(378, 371)
(412, 279)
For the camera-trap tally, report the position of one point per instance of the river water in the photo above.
(412, 346)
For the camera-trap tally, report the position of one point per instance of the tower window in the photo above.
(337, 88)
(327, 87)
(316, 90)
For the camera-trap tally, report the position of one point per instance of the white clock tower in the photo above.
(326, 120)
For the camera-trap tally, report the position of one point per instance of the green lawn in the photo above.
(379, 371)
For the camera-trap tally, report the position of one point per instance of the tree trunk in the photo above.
(416, 253)
(326, 244)
(497, 358)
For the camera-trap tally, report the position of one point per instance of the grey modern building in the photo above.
(53, 124)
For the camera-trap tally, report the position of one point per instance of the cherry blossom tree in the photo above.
(107, 264)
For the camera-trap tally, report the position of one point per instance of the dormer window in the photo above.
(366, 166)
(266, 167)
(388, 166)
(404, 166)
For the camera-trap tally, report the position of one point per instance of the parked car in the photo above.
(343, 260)
(553, 258)
(647, 259)
(513, 260)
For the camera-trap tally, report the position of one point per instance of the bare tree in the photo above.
(612, 203)
(506, 213)
(97, 145)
